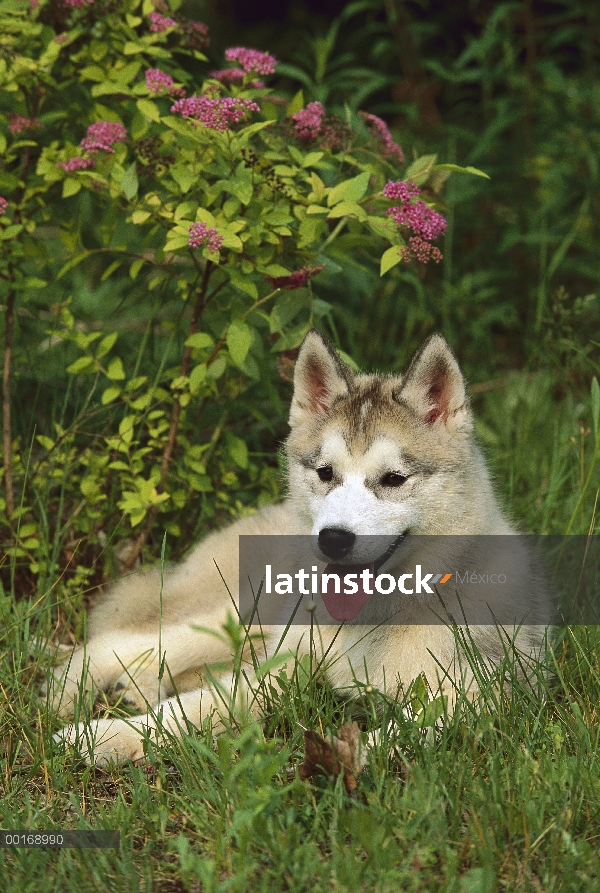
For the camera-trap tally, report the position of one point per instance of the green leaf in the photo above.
(81, 366)
(242, 187)
(242, 282)
(390, 258)
(106, 344)
(347, 209)
(197, 376)
(312, 158)
(126, 427)
(115, 369)
(135, 268)
(237, 450)
(109, 395)
(348, 191)
(72, 263)
(175, 242)
(45, 441)
(200, 340)
(110, 270)
(296, 105)
(129, 183)
(183, 176)
(239, 339)
(461, 170)
(70, 187)
(595, 403)
(420, 169)
(217, 368)
(34, 282)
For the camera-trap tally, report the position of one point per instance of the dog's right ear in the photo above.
(320, 378)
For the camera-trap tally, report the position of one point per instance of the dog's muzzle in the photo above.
(335, 542)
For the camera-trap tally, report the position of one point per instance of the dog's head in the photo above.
(382, 456)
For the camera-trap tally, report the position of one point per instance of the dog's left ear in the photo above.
(320, 378)
(434, 387)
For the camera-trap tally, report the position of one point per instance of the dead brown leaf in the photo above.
(329, 757)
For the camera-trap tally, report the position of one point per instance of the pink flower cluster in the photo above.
(78, 4)
(101, 135)
(159, 81)
(198, 26)
(3, 205)
(76, 164)
(421, 250)
(200, 234)
(215, 114)
(296, 279)
(309, 121)
(229, 75)
(418, 216)
(252, 60)
(19, 124)
(60, 38)
(160, 23)
(380, 130)
(402, 189)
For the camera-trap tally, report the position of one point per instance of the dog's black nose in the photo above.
(335, 542)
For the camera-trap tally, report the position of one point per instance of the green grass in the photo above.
(505, 796)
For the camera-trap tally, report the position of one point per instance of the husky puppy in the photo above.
(385, 457)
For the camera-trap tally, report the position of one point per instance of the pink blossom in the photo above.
(422, 219)
(403, 189)
(418, 216)
(200, 234)
(3, 205)
(199, 26)
(78, 4)
(158, 81)
(309, 121)
(215, 114)
(296, 279)
(425, 223)
(101, 135)
(76, 164)
(19, 124)
(252, 60)
(421, 250)
(60, 38)
(228, 75)
(34, 4)
(160, 23)
(379, 129)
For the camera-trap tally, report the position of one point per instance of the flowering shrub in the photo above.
(216, 197)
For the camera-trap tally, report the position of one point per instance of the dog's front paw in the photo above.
(105, 741)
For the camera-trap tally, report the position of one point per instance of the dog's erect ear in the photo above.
(320, 378)
(434, 387)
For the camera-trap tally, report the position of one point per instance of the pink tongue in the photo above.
(341, 605)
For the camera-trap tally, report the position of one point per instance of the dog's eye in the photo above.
(325, 472)
(393, 479)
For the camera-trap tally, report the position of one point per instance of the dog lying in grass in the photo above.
(370, 458)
